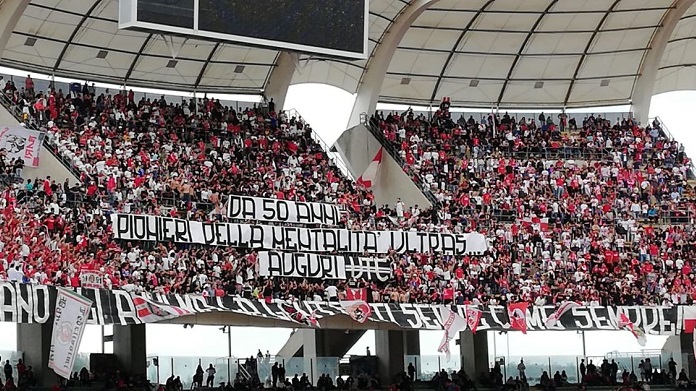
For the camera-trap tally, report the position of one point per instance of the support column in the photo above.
(12, 10)
(309, 353)
(392, 348)
(642, 94)
(34, 341)
(281, 77)
(373, 78)
(474, 353)
(688, 361)
(130, 348)
(320, 350)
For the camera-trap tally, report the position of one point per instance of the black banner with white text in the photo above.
(22, 303)
(323, 240)
(284, 211)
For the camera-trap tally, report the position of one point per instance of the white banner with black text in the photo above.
(325, 240)
(270, 209)
(308, 265)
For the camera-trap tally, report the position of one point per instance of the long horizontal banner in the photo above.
(308, 265)
(269, 209)
(327, 240)
(33, 304)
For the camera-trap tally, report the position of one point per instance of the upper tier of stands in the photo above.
(598, 214)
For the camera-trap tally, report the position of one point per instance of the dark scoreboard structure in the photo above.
(336, 28)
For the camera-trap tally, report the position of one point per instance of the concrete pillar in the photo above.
(393, 347)
(280, 79)
(643, 91)
(12, 10)
(474, 353)
(315, 345)
(686, 342)
(373, 78)
(130, 348)
(34, 341)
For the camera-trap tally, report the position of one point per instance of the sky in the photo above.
(327, 109)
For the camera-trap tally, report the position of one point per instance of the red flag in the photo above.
(367, 179)
(689, 319)
(148, 311)
(536, 223)
(356, 305)
(473, 316)
(626, 324)
(356, 294)
(517, 312)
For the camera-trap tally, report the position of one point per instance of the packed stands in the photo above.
(589, 213)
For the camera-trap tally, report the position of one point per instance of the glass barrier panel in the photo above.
(531, 367)
(14, 357)
(429, 366)
(415, 361)
(293, 366)
(454, 364)
(568, 368)
(153, 370)
(185, 367)
(327, 366)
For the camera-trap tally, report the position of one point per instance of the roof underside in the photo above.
(65, 37)
(678, 66)
(480, 53)
(531, 52)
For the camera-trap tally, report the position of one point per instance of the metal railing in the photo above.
(691, 173)
(31, 124)
(335, 158)
(389, 147)
(52, 147)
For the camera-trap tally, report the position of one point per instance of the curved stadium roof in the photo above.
(478, 52)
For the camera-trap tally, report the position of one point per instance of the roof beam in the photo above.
(477, 30)
(279, 78)
(137, 57)
(68, 12)
(76, 30)
(643, 89)
(205, 66)
(403, 74)
(559, 12)
(153, 55)
(522, 47)
(503, 54)
(456, 45)
(12, 10)
(587, 49)
(372, 79)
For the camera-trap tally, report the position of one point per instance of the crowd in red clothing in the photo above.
(587, 213)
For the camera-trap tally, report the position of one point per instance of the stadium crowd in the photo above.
(586, 227)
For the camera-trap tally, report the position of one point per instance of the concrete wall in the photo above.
(392, 348)
(473, 349)
(49, 165)
(34, 341)
(130, 348)
(327, 343)
(357, 146)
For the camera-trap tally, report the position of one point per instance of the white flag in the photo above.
(70, 319)
(452, 323)
(22, 143)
